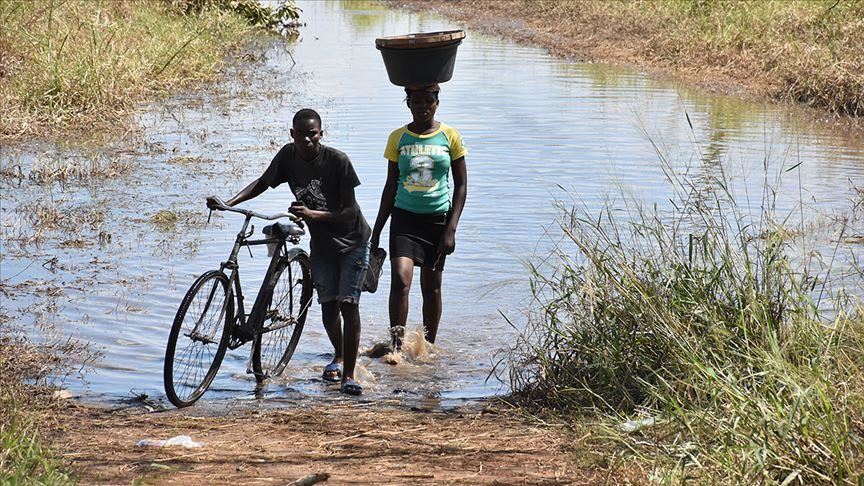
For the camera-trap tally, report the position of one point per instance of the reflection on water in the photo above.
(535, 127)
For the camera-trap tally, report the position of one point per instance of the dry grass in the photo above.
(188, 160)
(84, 64)
(76, 224)
(78, 169)
(167, 221)
(68, 169)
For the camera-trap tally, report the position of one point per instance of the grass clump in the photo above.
(79, 169)
(809, 51)
(24, 456)
(84, 64)
(169, 221)
(707, 340)
(50, 218)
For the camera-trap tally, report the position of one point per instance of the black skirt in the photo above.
(416, 236)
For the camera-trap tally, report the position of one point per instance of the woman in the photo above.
(417, 195)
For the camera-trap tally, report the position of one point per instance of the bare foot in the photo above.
(378, 350)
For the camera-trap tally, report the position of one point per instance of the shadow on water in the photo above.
(100, 243)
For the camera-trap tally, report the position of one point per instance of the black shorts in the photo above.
(416, 236)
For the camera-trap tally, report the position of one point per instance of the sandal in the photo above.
(332, 372)
(351, 387)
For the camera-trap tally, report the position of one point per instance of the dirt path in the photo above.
(348, 442)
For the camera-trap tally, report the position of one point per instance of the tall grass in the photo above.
(707, 325)
(79, 64)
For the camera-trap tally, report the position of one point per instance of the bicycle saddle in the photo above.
(283, 230)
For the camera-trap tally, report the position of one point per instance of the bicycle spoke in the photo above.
(290, 299)
(196, 346)
(293, 295)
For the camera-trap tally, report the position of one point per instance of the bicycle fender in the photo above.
(294, 251)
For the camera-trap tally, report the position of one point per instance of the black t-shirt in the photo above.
(325, 183)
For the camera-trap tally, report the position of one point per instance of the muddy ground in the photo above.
(348, 442)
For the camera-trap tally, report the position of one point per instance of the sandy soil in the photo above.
(348, 442)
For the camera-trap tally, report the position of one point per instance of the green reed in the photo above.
(24, 459)
(709, 320)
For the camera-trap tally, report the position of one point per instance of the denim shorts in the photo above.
(340, 278)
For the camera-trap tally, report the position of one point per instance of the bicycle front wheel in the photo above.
(291, 289)
(198, 339)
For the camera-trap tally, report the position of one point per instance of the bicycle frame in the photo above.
(245, 326)
(193, 370)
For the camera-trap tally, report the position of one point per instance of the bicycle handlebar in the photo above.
(221, 206)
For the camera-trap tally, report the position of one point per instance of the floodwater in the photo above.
(538, 129)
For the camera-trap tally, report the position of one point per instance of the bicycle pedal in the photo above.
(250, 371)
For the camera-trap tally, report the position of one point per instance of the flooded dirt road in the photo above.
(100, 243)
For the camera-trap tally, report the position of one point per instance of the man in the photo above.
(323, 181)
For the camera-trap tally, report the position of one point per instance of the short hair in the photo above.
(306, 114)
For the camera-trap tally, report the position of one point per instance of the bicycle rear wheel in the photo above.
(198, 339)
(291, 289)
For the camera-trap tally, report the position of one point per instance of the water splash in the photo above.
(363, 375)
(415, 349)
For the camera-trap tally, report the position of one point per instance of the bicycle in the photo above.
(206, 322)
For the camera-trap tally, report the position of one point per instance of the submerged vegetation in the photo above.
(709, 339)
(83, 64)
(799, 50)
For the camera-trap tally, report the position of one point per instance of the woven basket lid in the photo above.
(420, 40)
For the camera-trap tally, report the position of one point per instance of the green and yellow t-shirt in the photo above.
(424, 167)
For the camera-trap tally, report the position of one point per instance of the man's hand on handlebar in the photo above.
(214, 203)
